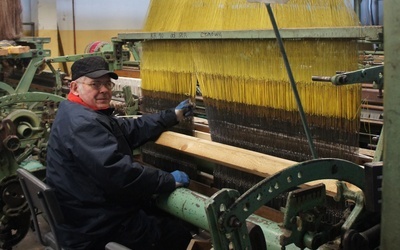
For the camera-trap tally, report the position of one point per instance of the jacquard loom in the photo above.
(259, 182)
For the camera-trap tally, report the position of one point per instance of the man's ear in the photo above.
(73, 88)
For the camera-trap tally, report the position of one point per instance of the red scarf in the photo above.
(77, 99)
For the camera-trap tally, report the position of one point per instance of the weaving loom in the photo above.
(228, 49)
(246, 91)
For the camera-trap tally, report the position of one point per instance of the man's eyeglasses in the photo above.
(97, 85)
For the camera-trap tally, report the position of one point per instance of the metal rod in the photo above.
(292, 82)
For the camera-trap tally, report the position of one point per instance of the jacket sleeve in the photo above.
(147, 127)
(95, 148)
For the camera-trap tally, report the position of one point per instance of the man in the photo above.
(100, 188)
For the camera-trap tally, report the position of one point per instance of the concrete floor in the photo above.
(30, 241)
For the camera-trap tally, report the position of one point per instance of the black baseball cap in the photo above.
(92, 67)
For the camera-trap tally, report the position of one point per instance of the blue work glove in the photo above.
(184, 109)
(181, 178)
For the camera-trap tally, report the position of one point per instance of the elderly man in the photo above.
(100, 187)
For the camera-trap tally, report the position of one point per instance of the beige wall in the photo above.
(82, 22)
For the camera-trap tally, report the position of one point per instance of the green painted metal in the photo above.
(132, 104)
(372, 33)
(216, 206)
(36, 57)
(27, 77)
(4, 86)
(224, 214)
(299, 203)
(57, 76)
(31, 165)
(236, 210)
(367, 75)
(191, 207)
(292, 177)
(29, 97)
(71, 58)
(36, 40)
(359, 200)
(114, 60)
(272, 232)
(185, 204)
(390, 229)
(8, 164)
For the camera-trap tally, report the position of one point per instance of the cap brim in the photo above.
(100, 73)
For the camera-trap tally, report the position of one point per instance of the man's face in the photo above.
(94, 92)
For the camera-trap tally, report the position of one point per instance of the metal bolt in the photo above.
(235, 222)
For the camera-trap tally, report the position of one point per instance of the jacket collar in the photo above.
(76, 99)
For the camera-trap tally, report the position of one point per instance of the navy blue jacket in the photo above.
(91, 167)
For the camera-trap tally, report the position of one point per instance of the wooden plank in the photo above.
(202, 135)
(237, 158)
(128, 72)
(3, 52)
(18, 49)
(367, 152)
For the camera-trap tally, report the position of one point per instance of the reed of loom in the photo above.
(248, 98)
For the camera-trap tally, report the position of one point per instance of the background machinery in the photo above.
(28, 107)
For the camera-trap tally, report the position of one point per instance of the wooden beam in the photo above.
(234, 157)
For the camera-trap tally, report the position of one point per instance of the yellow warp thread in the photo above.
(195, 15)
(168, 67)
(252, 71)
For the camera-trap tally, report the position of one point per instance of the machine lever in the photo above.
(367, 75)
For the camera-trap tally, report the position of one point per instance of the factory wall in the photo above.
(72, 25)
(41, 14)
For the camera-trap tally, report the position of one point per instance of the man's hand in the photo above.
(184, 109)
(181, 178)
